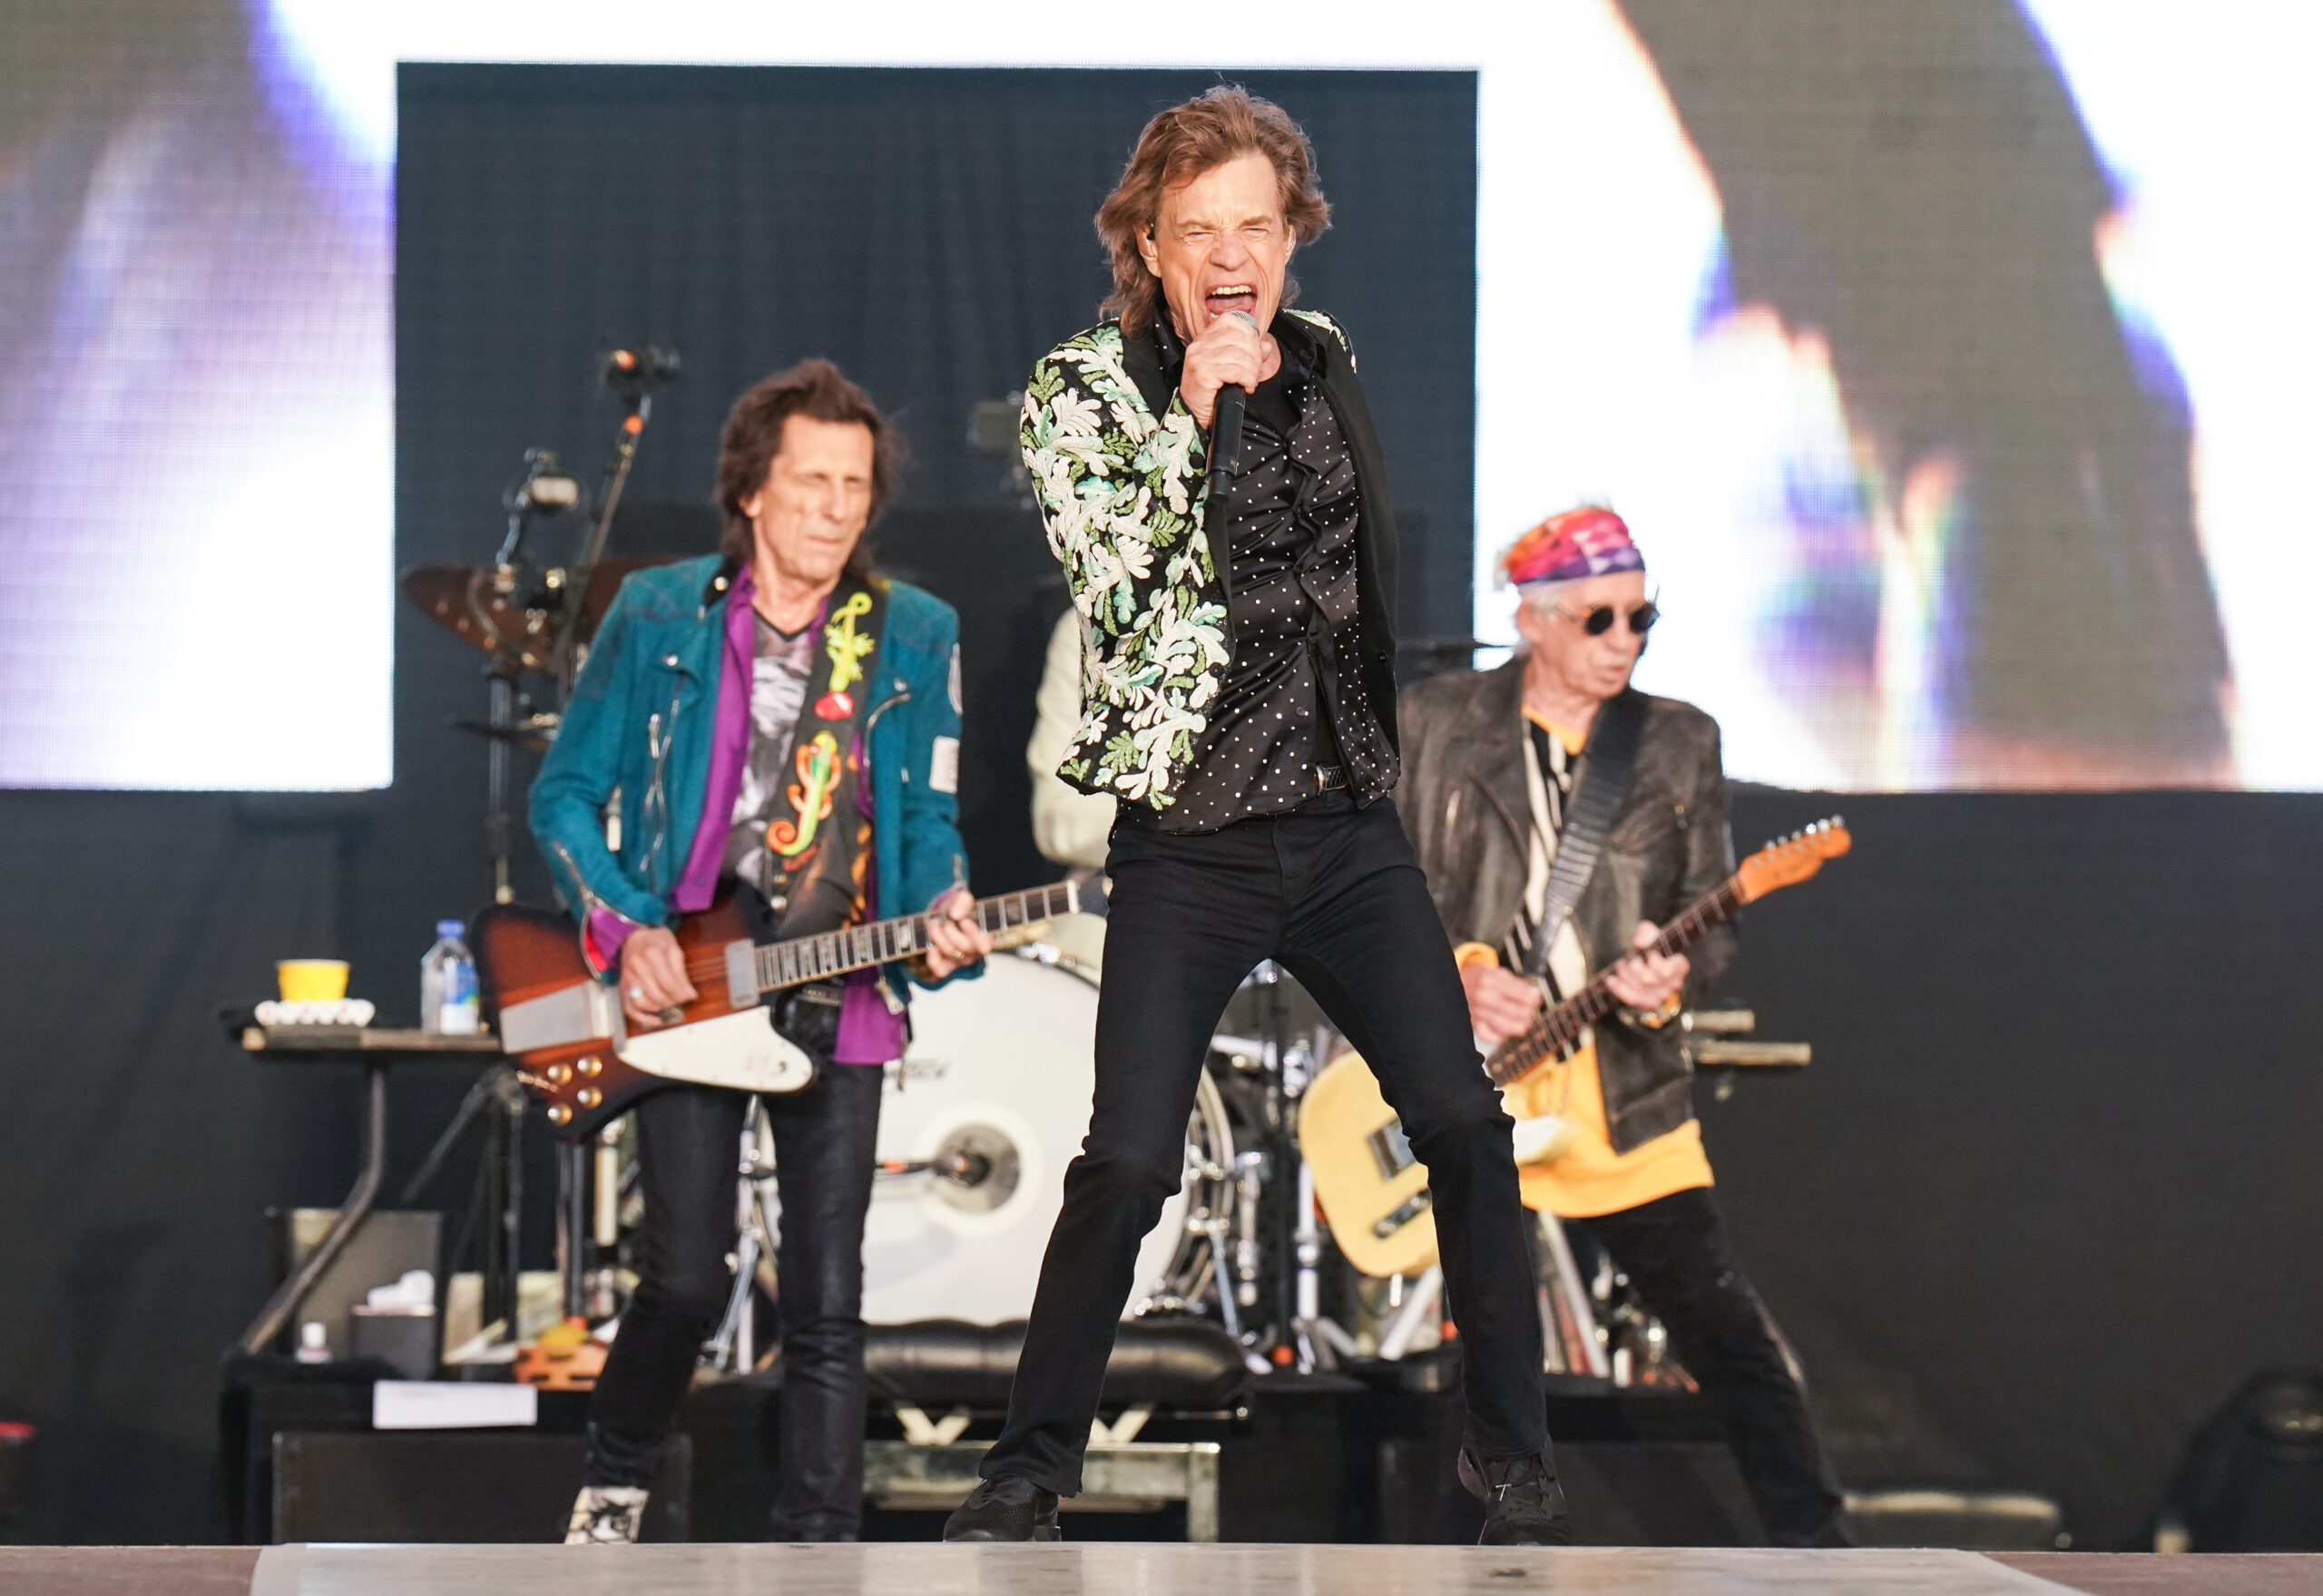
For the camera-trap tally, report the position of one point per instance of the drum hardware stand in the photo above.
(1217, 1226)
(496, 1211)
(734, 1345)
(543, 488)
(1249, 1181)
(1225, 1278)
(1573, 1315)
(1320, 1341)
(1313, 1341)
(1412, 1316)
(603, 1300)
(573, 1231)
(589, 1221)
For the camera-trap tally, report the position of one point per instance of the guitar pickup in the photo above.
(1391, 1150)
(583, 1012)
(741, 975)
(1410, 1209)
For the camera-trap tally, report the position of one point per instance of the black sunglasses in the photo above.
(1600, 621)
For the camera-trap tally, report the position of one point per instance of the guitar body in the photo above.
(571, 1044)
(1373, 1194)
(1376, 1204)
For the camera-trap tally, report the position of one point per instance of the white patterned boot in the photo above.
(605, 1515)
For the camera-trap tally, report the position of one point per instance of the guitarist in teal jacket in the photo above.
(780, 722)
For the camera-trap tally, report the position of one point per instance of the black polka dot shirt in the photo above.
(1293, 719)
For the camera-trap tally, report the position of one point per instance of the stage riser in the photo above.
(446, 1487)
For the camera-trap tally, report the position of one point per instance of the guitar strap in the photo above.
(1599, 787)
(818, 837)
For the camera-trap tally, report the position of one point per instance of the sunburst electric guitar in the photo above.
(573, 1046)
(1372, 1191)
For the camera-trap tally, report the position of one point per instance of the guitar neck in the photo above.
(1560, 1028)
(858, 947)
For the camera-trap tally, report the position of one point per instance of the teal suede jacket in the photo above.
(636, 738)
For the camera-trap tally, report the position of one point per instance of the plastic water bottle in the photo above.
(448, 1001)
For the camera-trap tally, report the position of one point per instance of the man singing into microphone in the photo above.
(1238, 700)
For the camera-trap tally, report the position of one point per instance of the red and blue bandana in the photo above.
(1568, 547)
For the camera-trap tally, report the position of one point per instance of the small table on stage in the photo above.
(376, 1050)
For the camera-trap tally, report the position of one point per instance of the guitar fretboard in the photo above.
(858, 947)
(1559, 1030)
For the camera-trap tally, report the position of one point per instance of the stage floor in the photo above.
(1118, 1568)
(1121, 1569)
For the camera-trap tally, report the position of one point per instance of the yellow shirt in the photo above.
(1591, 1178)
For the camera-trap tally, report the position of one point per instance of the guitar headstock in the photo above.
(1789, 860)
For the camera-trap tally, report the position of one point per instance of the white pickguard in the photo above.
(740, 1050)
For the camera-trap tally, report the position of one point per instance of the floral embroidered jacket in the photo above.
(1118, 466)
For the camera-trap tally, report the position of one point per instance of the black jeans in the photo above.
(689, 1142)
(1337, 898)
(1676, 1254)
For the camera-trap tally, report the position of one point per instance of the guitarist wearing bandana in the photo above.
(1502, 767)
(776, 724)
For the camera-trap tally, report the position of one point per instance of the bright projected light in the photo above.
(1952, 373)
(1960, 463)
(195, 523)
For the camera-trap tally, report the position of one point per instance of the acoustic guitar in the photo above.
(1373, 1193)
(571, 1043)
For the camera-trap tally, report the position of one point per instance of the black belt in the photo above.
(1330, 778)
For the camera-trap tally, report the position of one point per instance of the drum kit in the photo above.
(989, 1103)
(977, 1122)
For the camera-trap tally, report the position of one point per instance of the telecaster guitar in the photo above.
(572, 1046)
(1374, 1194)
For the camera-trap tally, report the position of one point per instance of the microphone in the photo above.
(544, 485)
(632, 370)
(1225, 426)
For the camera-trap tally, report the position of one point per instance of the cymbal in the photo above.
(470, 600)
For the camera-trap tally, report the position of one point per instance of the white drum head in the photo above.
(1004, 1068)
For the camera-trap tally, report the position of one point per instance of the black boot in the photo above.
(1524, 1503)
(1010, 1508)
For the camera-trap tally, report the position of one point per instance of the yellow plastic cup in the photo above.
(311, 980)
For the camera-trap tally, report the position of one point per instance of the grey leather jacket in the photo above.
(1463, 800)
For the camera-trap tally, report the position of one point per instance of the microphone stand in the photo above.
(500, 691)
(567, 657)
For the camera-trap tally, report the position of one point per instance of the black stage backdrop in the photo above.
(2045, 1196)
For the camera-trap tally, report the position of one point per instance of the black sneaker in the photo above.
(1010, 1508)
(1524, 1503)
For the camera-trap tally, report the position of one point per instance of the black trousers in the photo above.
(1676, 1254)
(1339, 900)
(689, 1142)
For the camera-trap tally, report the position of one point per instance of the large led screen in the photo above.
(195, 420)
(1950, 359)
(1952, 362)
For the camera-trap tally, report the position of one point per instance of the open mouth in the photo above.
(1231, 297)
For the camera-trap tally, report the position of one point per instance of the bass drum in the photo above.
(995, 1093)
